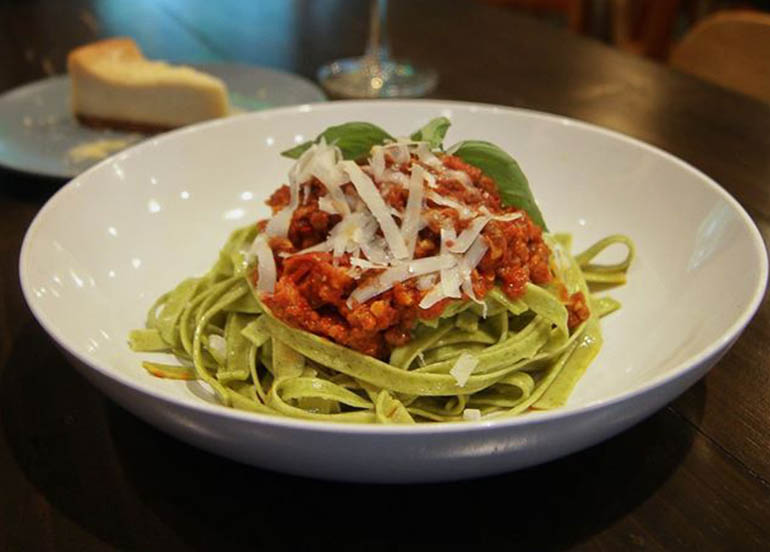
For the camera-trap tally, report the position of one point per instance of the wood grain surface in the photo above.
(79, 473)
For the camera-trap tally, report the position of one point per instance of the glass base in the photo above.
(367, 78)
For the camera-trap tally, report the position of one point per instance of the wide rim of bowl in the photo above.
(681, 369)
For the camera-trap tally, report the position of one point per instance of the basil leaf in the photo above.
(433, 132)
(511, 182)
(297, 151)
(354, 140)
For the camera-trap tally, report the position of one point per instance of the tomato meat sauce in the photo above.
(312, 289)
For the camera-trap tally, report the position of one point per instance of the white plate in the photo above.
(108, 243)
(38, 131)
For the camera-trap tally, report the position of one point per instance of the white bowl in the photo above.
(109, 242)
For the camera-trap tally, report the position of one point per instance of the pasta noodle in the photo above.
(270, 367)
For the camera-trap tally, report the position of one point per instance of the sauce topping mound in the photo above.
(339, 232)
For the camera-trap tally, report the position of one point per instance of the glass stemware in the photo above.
(376, 74)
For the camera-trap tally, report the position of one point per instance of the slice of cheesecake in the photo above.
(114, 85)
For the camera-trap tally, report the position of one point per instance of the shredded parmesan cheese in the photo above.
(431, 180)
(450, 276)
(366, 265)
(460, 176)
(466, 265)
(322, 247)
(426, 156)
(376, 251)
(266, 270)
(319, 160)
(508, 217)
(469, 235)
(397, 177)
(326, 205)
(409, 226)
(377, 162)
(371, 196)
(463, 368)
(432, 297)
(471, 414)
(279, 224)
(426, 282)
(352, 231)
(218, 345)
(464, 211)
(399, 152)
(399, 273)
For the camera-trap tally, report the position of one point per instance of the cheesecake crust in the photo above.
(117, 124)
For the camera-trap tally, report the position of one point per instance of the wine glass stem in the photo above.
(377, 49)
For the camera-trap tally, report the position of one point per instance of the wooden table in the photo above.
(79, 473)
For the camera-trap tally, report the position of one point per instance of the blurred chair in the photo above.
(730, 48)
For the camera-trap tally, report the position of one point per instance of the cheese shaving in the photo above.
(366, 265)
(450, 276)
(399, 273)
(376, 251)
(279, 224)
(319, 160)
(371, 196)
(337, 197)
(300, 172)
(399, 153)
(449, 285)
(431, 180)
(460, 176)
(508, 217)
(426, 282)
(324, 166)
(352, 231)
(377, 162)
(463, 210)
(266, 271)
(326, 204)
(432, 297)
(471, 414)
(469, 235)
(323, 163)
(322, 247)
(466, 265)
(396, 177)
(476, 252)
(463, 368)
(218, 345)
(426, 156)
(413, 208)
